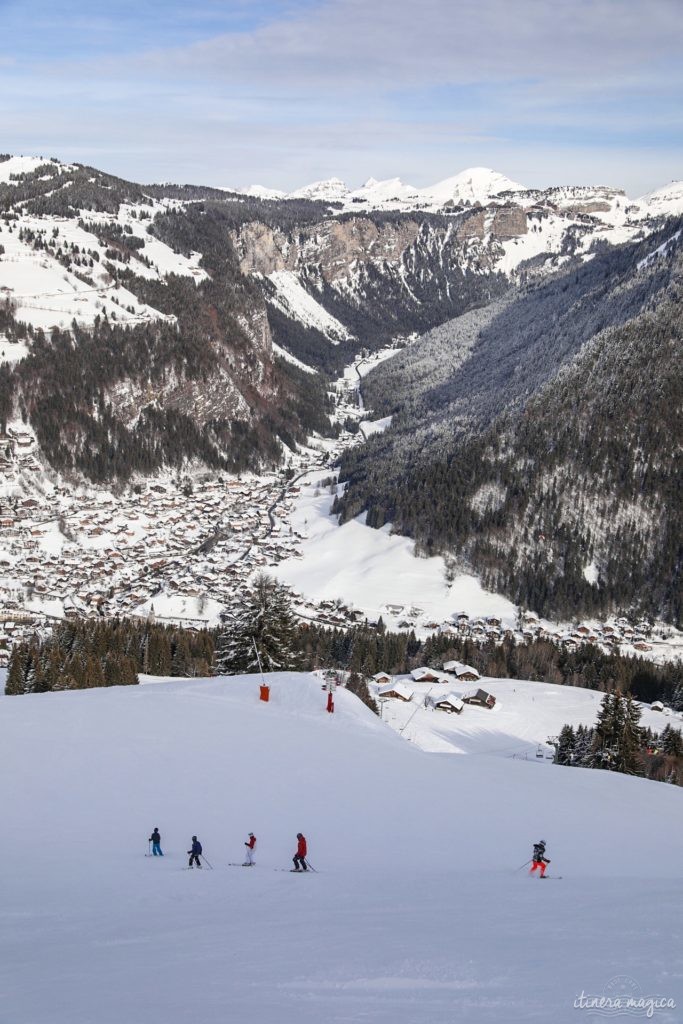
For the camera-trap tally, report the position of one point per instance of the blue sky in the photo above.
(283, 92)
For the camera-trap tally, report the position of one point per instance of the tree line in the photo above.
(82, 654)
(618, 743)
(265, 635)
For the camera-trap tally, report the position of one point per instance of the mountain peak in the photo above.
(473, 185)
(328, 190)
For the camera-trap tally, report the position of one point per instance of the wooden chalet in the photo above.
(382, 678)
(397, 691)
(451, 704)
(480, 698)
(461, 671)
(426, 675)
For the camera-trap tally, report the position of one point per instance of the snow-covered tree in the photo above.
(565, 747)
(266, 623)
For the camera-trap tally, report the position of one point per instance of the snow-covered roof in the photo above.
(399, 688)
(424, 672)
(459, 668)
(451, 698)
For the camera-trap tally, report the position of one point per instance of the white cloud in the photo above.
(378, 87)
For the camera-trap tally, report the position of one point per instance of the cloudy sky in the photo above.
(283, 92)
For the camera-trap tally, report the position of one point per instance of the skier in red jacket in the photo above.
(251, 846)
(300, 855)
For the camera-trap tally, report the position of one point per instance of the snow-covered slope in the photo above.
(525, 716)
(263, 192)
(376, 571)
(474, 185)
(380, 193)
(664, 202)
(332, 190)
(416, 915)
(292, 298)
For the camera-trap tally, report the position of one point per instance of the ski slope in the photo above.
(416, 914)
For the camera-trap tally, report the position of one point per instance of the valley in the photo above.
(179, 379)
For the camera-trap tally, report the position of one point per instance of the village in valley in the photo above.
(182, 549)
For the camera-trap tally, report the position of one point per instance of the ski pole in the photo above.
(149, 847)
(309, 865)
(523, 865)
(210, 866)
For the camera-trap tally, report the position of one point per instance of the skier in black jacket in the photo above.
(155, 840)
(538, 858)
(195, 853)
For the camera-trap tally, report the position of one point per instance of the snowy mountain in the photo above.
(204, 325)
(665, 202)
(417, 911)
(261, 192)
(474, 185)
(330, 191)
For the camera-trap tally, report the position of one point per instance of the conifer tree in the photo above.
(266, 620)
(630, 738)
(566, 744)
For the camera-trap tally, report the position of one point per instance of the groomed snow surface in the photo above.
(371, 569)
(416, 915)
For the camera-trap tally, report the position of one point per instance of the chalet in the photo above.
(425, 675)
(451, 704)
(397, 691)
(382, 678)
(480, 698)
(656, 706)
(461, 671)
(641, 645)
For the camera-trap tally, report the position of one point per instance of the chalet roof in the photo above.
(400, 688)
(452, 699)
(459, 668)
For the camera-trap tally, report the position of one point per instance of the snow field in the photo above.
(416, 915)
(525, 715)
(372, 568)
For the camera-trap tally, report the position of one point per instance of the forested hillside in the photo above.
(543, 446)
(155, 333)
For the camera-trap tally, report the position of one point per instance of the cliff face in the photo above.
(332, 246)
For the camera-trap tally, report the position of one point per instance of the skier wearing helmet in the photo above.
(251, 846)
(155, 840)
(301, 851)
(538, 858)
(195, 853)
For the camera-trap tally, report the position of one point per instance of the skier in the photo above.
(300, 855)
(155, 840)
(251, 846)
(195, 853)
(539, 859)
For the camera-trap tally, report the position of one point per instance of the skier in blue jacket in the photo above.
(195, 853)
